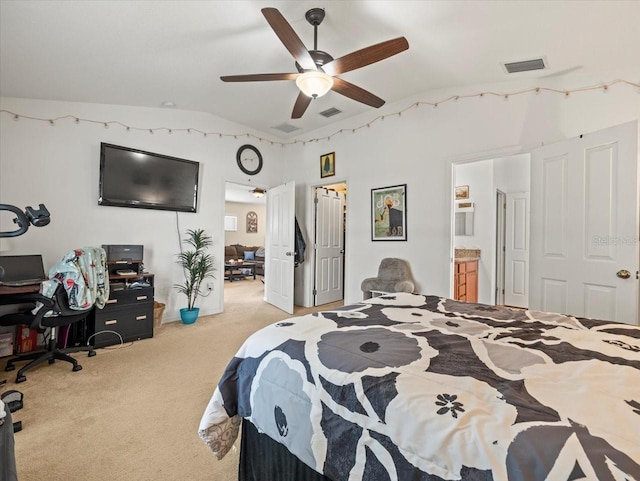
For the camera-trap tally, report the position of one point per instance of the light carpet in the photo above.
(132, 413)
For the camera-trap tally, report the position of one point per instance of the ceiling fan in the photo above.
(317, 70)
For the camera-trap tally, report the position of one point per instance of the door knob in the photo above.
(623, 274)
(289, 253)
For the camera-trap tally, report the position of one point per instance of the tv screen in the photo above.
(135, 178)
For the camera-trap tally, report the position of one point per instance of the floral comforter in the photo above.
(412, 387)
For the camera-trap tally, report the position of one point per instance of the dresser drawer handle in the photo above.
(112, 301)
(141, 298)
(141, 318)
(111, 322)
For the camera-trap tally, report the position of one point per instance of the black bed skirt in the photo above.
(263, 459)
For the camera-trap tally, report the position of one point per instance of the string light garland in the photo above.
(454, 98)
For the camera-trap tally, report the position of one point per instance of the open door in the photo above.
(516, 255)
(584, 226)
(280, 246)
(501, 220)
(329, 246)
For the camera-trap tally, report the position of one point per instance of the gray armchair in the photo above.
(394, 275)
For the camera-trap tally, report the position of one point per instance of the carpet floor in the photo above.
(132, 413)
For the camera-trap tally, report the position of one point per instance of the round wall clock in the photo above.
(249, 159)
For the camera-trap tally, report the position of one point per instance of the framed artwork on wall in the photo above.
(328, 165)
(462, 192)
(389, 213)
(230, 223)
(252, 222)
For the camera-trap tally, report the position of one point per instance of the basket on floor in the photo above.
(158, 311)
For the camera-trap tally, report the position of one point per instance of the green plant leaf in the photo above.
(197, 265)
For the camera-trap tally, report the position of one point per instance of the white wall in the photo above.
(59, 166)
(512, 173)
(418, 148)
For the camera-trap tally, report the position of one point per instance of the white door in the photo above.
(516, 282)
(501, 219)
(280, 246)
(329, 246)
(584, 225)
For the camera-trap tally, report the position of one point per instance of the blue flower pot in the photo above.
(189, 316)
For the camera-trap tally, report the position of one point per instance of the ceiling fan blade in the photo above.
(302, 102)
(356, 93)
(289, 38)
(259, 77)
(366, 56)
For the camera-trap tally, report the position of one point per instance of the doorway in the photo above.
(488, 184)
(244, 242)
(501, 230)
(330, 209)
(583, 257)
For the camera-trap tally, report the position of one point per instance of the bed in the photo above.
(415, 387)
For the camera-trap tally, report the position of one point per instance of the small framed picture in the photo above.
(328, 165)
(389, 213)
(462, 192)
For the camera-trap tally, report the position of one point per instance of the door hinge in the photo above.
(315, 292)
(503, 292)
(315, 199)
(637, 275)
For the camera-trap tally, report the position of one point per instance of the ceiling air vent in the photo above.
(286, 128)
(525, 65)
(330, 112)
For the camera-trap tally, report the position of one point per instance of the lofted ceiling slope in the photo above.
(143, 53)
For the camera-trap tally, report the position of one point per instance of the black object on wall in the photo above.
(136, 178)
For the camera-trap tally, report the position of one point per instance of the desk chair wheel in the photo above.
(51, 361)
(21, 378)
(92, 353)
(10, 368)
(77, 367)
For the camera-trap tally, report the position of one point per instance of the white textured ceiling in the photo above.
(143, 53)
(242, 194)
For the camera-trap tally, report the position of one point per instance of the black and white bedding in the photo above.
(412, 387)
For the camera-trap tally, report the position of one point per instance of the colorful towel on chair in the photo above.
(83, 274)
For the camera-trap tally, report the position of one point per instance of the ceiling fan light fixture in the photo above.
(314, 84)
(258, 192)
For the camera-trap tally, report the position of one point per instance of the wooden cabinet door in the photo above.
(465, 287)
(472, 286)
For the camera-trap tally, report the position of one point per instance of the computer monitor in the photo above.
(21, 270)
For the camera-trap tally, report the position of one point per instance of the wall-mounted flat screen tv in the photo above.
(135, 178)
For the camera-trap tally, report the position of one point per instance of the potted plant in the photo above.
(197, 265)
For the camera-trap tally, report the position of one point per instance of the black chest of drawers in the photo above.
(128, 314)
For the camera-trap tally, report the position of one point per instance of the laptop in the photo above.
(18, 271)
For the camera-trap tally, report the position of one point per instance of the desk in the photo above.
(30, 289)
(12, 295)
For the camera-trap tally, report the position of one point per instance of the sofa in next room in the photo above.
(254, 254)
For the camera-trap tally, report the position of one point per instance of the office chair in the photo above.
(394, 275)
(66, 316)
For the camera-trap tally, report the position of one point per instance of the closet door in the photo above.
(584, 225)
